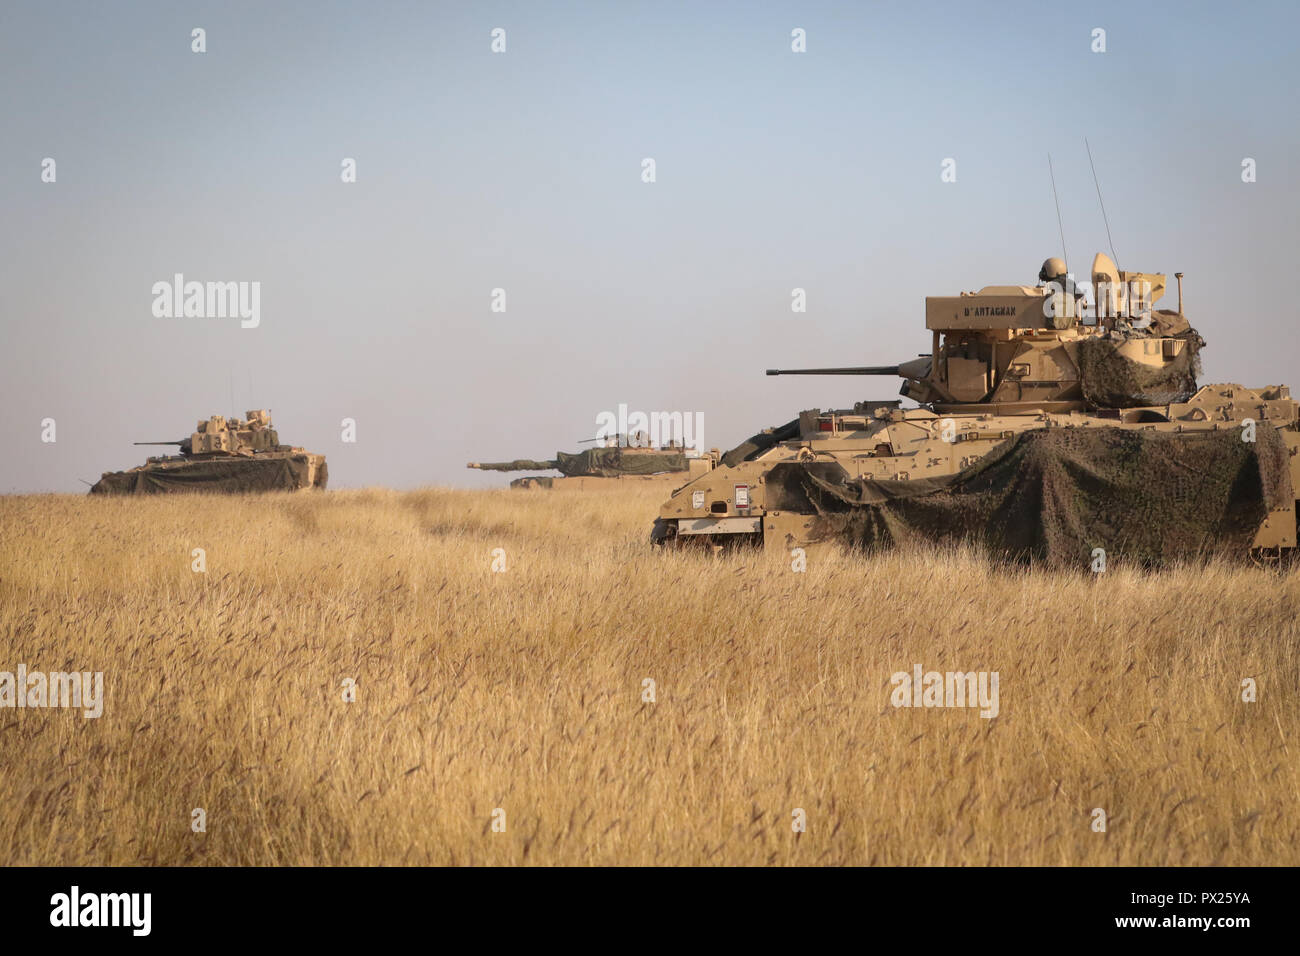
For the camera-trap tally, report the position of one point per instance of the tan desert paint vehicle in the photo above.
(228, 455)
(612, 466)
(1003, 361)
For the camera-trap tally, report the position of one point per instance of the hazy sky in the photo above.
(522, 171)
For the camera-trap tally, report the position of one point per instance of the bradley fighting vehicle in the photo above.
(1003, 361)
(228, 455)
(620, 460)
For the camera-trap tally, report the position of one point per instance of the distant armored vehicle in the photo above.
(228, 455)
(1047, 427)
(619, 461)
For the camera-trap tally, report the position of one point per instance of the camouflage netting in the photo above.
(1056, 494)
(598, 463)
(612, 462)
(1112, 381)
(218, 475)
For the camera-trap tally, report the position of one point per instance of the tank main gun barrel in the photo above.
(183, 441)
(856, 370)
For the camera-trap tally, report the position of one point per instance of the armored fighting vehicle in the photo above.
(228, 455)
(1051, 421)
(621, 460)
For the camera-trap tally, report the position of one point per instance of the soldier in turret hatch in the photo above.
(1054, 273)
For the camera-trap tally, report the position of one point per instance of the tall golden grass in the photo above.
(523, 691)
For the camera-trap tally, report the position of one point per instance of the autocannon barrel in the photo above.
(855, 370)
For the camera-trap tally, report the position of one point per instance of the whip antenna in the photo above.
(1060, 225)
(1101, 202)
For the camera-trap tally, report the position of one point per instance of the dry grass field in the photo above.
(522, 690)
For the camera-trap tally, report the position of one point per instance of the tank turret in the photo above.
(1051, 347)
(619, 458)
(219, 435)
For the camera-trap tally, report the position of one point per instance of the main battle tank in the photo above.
(229, 455)
(619, 461)
(1049, 425)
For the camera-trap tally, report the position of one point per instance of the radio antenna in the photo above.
(1060, 225)
(1101, 202)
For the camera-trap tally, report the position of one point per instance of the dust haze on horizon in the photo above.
(522, 171)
